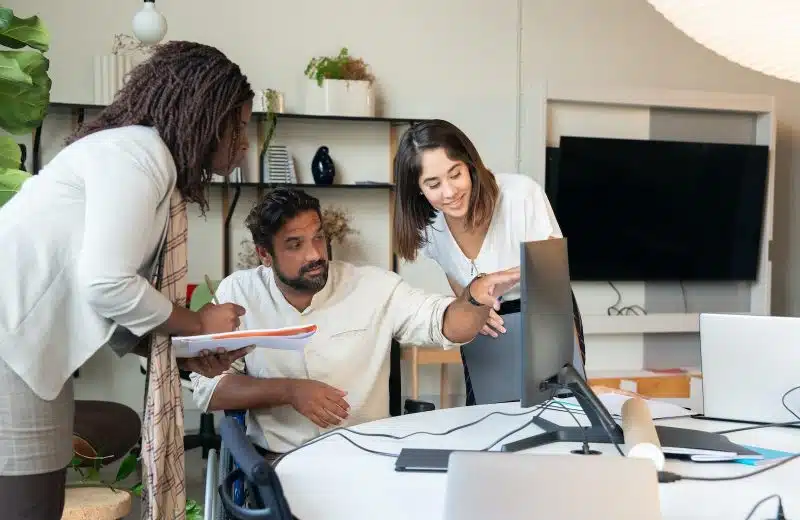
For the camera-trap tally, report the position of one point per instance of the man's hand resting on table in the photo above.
(322, 404)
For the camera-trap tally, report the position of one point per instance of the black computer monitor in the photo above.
(544, 313)
(548, 341)
(547, 345)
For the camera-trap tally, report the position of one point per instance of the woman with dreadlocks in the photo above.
(95, 254)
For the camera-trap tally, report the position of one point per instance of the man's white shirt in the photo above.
(358, 313)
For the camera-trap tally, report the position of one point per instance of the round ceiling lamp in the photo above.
(149, 26)
(761, 35)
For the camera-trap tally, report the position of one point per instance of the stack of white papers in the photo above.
(287, 338)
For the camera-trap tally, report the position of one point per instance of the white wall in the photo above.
(475, 62)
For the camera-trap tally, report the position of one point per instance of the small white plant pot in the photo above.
(338, 97)
(110, 73)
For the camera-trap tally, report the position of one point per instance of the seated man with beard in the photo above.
(341, 378)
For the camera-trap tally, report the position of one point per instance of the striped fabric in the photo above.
(164, 493)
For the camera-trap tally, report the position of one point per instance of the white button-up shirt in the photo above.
(358, 313)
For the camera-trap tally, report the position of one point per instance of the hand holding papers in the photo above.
(212, 364)
(287, 338)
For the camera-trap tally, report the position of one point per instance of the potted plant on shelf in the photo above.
(24, 92)
(339, 85)
(336, 224)
(271, 99)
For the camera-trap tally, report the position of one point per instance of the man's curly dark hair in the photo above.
(191, 93)
(272, 212)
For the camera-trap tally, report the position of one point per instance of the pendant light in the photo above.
(761, 35)
(149, 26)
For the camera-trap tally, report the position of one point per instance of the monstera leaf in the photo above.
(10, 183)
(11, 177)
(24, 91)
(10, 153)
(16, 33)
(24, 81)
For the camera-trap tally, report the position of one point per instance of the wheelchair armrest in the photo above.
(417, 406)
(253, 465)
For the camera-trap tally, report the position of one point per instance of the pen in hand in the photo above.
(211, 290)
(215, 362)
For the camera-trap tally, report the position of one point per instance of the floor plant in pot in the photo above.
(89, 471)
(24, 91)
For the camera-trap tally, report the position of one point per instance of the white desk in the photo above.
(331, 479)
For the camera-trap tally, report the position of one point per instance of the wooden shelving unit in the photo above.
(231, 192)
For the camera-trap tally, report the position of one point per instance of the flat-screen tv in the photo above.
(648, 210)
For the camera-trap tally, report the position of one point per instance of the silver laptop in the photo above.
(516, 486)
(748, 363)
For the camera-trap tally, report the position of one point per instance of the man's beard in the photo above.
(307, 284)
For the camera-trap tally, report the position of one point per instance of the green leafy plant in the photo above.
(343, 66)
(270, 99)
(91, 477)
(24, 91)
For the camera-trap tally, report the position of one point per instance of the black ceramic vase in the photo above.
(322, 167)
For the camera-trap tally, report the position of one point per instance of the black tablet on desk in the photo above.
(423, 460)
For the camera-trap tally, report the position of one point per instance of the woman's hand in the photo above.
(220, 318)
(210, 364)
(494, 325)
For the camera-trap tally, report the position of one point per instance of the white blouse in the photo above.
(79, 244)
(522, 214)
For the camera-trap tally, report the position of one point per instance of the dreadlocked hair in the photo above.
(191, 93)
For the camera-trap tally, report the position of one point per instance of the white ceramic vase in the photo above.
(338, 97)
(110, 72)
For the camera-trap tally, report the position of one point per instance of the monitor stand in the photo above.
(604, 429)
